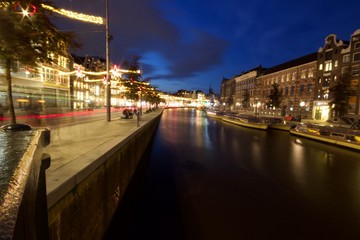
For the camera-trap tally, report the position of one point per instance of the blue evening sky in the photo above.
(192, 44)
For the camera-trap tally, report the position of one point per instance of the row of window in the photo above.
(347, 58)
(309, 73)
(81, 85)
(291, 90)
(51, 76)
(355, 70)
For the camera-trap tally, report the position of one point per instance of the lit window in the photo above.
(326, 94)
(336, 63)
(311, 73)
(328, 66)
(320, 66)
(303, 74)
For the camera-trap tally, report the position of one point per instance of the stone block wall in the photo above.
(86, 211)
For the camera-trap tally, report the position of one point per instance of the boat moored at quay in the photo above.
(252, 121)
(344, 137)
(339, 136)
(215, 114)
(246, 121)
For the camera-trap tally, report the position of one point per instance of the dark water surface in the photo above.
(204, 179)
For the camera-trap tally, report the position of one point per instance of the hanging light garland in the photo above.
(75, 15)
(30, 10)
(115, 72)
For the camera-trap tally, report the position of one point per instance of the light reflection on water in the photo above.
(297, 161)
(321, 174)
(220, 180)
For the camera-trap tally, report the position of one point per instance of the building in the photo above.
(295, 80)
(246, 89)
(337, 59)
(87, 82)
(227, 94)
(43, 89)
(305, 83)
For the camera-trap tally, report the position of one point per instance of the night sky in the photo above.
(192, 44)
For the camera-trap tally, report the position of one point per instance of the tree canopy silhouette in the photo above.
(28, 38)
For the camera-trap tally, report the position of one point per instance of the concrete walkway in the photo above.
(75, 148)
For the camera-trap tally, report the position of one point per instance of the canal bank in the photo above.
(207, 179)
(91, 167)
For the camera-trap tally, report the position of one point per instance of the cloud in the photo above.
(139, 27)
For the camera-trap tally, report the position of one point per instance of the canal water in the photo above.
(205, 179)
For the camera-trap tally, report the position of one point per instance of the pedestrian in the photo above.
(1, 113)
(138, 118)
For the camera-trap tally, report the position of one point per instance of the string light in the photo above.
(115, 72)
(75, 15)
(4, 4)
(70, 14)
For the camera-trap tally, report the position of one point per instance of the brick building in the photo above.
(295, 80)
(305, 82)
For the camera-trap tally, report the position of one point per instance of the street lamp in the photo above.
(302, 104)
(257, 105)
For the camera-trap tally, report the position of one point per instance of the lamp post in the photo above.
(108, 85)
(258, 104)
(302, 104)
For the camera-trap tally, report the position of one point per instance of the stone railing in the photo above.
(23, 204)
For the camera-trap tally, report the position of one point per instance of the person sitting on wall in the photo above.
(127, 114)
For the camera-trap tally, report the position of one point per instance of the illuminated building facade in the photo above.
(41, 89)
(87, 90)
(305, 82)
(295, 79)
(246, 88)
(337, 59)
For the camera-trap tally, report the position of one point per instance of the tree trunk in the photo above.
(10, 100)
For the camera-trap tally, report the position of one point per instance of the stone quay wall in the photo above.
(86, 209)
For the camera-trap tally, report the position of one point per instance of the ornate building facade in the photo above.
(305, 82)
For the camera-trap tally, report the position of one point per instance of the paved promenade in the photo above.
(76, 147)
